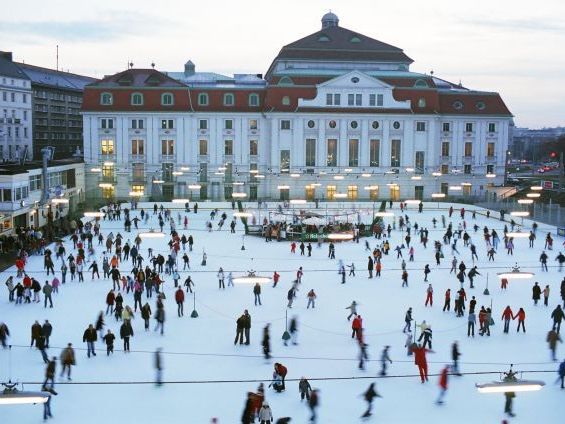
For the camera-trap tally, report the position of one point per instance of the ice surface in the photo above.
(202, 348)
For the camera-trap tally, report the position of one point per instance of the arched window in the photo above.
(420, 83)
(355, 40)
(203, 99)
(253, 99)
(167, 99)
(285, 101)
(229, 99)
(106, 99)
(286, 81)
(137, 99)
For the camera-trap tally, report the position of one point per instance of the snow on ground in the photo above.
(202, 348)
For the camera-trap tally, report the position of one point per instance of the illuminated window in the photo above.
(107, 146)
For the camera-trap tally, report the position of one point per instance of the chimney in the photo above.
(6, 55)
(189, 68)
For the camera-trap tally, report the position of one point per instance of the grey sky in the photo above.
(513, 47)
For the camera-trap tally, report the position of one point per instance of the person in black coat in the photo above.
(109, 340)
(40, 345)
(35, 332)
(90, 336)
(126, 331)
(536, 293)
(146, 315)
(240, 323)
(370, 267)
(46, 331)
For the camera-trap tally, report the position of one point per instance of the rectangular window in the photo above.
(332, 152)
(445, 149)
(446, 127)
(468, 149)
(374, 153)
(228, 124)
(420, 126)
(203, 124)
(380, 99)
(253, 148)
(137, 147)
(330, 192)
(419, 162)
(337, 99)
(137, 124)
(167, 147)
(24, 98)
(491, 127)
(285, 161)
(35, 182)
(350, 99)
(25, 115)
(253, 124)
(469, 127)
(395, 153)
(490, 169)
(352, 192)
(107, 123)
(167, 169)
(358, 99)
(228, 147)
(329, 99)
(137, 188)
(466, 169)
(167, 124)
(107, 147)
(445, 169)
(490, 150)
(107, 172)
(138, 172)
(203, 147)
(372, 99)
(310, 152)
(285, 124)
(353, 152)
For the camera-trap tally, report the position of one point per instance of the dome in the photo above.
(330, 19)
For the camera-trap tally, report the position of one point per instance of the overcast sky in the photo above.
(514, 47)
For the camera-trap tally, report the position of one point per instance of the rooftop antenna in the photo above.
(57, 60)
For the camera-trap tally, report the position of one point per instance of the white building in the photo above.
(338, 115)
(15, 111)
(21, 191)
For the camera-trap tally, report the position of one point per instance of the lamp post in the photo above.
(194, 314)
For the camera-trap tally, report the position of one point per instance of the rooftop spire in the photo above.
(330, 20)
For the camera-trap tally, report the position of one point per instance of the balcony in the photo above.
(137, 179)
(445, 158)
(167, 158)
(490, 158)
(468, 159)
(137, 158)
(109, 157)
(111, 179)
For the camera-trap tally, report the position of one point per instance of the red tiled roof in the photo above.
(472, 104)
(122, 100)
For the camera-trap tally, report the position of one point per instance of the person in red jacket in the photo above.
(447, 304)
(293, 247)
(420, 360)
(27, 281)
(356, 326)
(506, 317)
(378, 268)
(20, 264)
(276, 277)
(442, 384)
(521, 315)
(281, 370)
(179, 298)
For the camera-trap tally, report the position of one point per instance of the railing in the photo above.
(491, 158)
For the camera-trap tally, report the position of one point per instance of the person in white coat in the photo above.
(265, 414)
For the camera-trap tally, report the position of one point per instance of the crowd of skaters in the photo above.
(147, 281)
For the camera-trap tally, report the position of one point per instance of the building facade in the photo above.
(338, 115)
(15, 111)
(56, 110)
